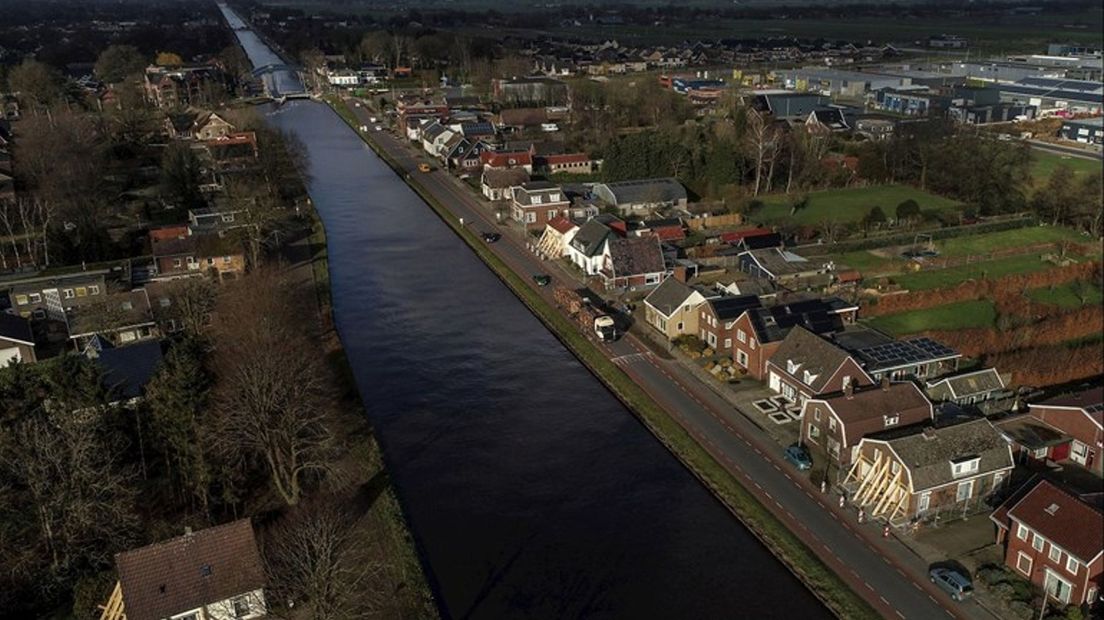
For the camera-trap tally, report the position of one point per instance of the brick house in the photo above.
(192, 255)
(672, 308)
(1053, 539)
(502, 160)
(632, 262)
(1066, 428)
(914, 474)
(837, 423)
(807, 366)
(717, 319)
(537, 202)
(760, 331)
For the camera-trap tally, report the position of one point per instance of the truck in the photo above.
(605, 328)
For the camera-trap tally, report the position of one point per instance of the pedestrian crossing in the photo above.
(631, 358)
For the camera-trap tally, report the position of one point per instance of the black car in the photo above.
(491, 237)
(542, 280)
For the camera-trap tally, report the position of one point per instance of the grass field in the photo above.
(1070, 295)
(989, 242)
(847, 205)
(960, 315)
(1044, 164)
(939, 278)
(867, 262)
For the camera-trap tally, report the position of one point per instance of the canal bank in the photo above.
(825, 584)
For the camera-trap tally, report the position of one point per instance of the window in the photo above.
(227, 217)
(68, 293)
(832, 424)
(791, 367)
(82, 291)
(21, 300)
(1021, 531)
(1055, 554)
(241, 606)
(741, 335)
(752, 343)
(814, 432)
(965, 490)
(177, 262)
(809, 377)
(728, 343)
(530, 217)
(210, 261)
(891, 420)
(225, 259)
(94, 289)
(741, 358)
(535, 199)
(925, 502)
(816, 414)
(36, 298)
(1037, 543)
(679, 327)
(1071, 564)
(126, 305)
(966, 466)
(1023, 563)
(895, 468)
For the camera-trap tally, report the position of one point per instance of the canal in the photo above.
(531, 491)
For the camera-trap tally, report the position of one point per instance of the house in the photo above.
(232, 153)
(186, 255)
(558, 232)
(632, 262)
(178, 87)
(536, 202)
(779, 265)
(836, 423)
(1085, 130)
(807, 366)
(1065, 428)
(566, 163)
(672, 308)
(760, 331)
(502, 160)
(467, 158)
(215, 220)
(968, 388)
(211, 126)
(826, 120)
(642, 195)
(49, 297)
(119, 317)
(16, 340)
(912, 358)
(667, 229)
(213, 574)
(752, 239)
(1053, 539)
(180, 125)
(914, 474)
(717, 319)
(587, 247)
(498, 183)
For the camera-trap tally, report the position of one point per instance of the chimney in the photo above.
(680, 273)
(885, 384)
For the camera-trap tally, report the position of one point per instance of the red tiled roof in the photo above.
(561, 224)
(567, 158)
(738, 235)
(1063, 519)
(1091, 401)
(669, 233)
(506, 159)
(190, 571)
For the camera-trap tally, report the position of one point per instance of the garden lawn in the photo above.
(989, 242)
(868, 262)
(847, 205)
(940, 278)
(1070, 295)
(961, 315)
(1044, 163)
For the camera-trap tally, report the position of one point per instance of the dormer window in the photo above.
(965, 466)
(536, 198)
(792, 367)
(809, 378)
(553, 198)
(891, 420)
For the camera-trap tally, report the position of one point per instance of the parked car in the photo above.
(799, 456)
(542, 280)
(424, 167)
(491, 237)
(955, 583)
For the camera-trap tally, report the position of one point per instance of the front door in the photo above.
(775, 383)
(1057, 587)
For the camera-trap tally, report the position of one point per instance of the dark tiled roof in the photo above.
(1031, 432)
(647, 190)
(773, 323)
(635, 256)
(1062, 518)
(669, 295)
(864, 411)
(730, 308)
(814, 354)
(970, 383)
(928, 454)
(590, 237)
(15, 328)
(1090, 400)
(504, 178)
(190, 571)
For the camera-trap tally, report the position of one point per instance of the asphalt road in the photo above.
(1070, 151)
(883, 571)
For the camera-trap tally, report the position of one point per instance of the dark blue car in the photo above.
(799, 456)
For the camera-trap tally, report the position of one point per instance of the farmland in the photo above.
(1069, 296)
(847, 205)
(940, 278)
(963, 315)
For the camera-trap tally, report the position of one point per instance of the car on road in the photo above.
(379, 127)
(491, 237)
(799, 456)
(953, 582)
(542, 280)
(424, 167)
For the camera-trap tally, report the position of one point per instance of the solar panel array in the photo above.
(1095, 408)
(904, 352)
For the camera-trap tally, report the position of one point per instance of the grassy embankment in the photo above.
(1043, 165)
(847, 205)
(824, 583)
(384, 517)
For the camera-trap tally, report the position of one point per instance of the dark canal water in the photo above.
(532, 492)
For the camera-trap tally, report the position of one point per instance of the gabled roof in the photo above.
(1090, 401)
(15, 329)
(970, 383)
(928, 454)
(504, 159)
(647, 191)
(730, 308)
(590, 238)
(778, 262)
(866, 410)
(127, 370)
(561, 224)
(635, 256)
(669, 296)
(190, 571)
(1062, 518)
(505, 178)
(812, 353)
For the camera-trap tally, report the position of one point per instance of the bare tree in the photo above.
(314, 561)
(273, 408)
(761, 147)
